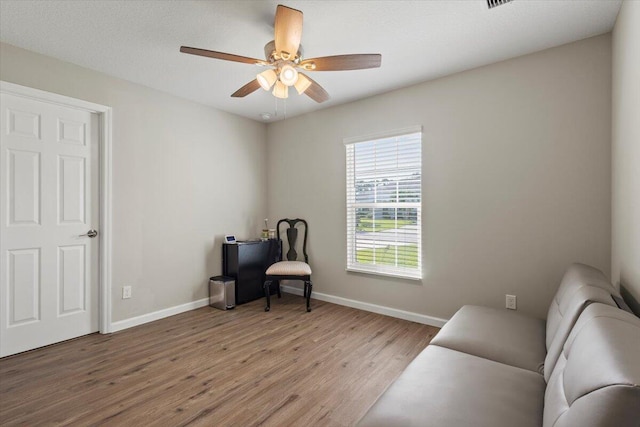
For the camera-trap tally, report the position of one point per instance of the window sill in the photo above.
(417, 276)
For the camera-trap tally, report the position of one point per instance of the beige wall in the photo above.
(184, 175)
(516, 183)
(625, 264)
(517, 180)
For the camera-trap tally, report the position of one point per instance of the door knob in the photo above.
(90, 233)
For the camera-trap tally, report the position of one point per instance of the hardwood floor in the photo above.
(208, 367)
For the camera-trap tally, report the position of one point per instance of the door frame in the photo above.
(104, 188)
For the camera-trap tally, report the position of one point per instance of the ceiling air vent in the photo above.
(494, 3)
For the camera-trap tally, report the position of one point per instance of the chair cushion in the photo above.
(289, 268)
(496, 334)
(445, 388)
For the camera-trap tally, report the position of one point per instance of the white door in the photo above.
(49, 201)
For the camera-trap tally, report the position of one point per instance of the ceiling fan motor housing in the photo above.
(272, 55)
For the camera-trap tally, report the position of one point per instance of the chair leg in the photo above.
(278, 285)
(307, 287)
(267, 293)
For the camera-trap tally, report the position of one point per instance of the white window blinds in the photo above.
(384, 199)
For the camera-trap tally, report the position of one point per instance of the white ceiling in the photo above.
(419, 40)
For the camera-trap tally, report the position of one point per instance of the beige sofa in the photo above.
(490, 367)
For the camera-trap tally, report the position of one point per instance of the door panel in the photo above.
(24, 187)
(49, 198)
(71, 179)
(24, 286)
(24, 124)
(71, 281)
(70, 132)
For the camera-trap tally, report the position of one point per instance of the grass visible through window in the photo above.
(407, 256)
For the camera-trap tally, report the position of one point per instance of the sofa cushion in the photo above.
(522, 341)
(570, 310)
(496, 334)
(444, 387)
(596, 381)
(576, 276)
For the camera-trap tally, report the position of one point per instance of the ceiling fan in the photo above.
(285, 61)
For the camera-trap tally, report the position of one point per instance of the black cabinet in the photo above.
(246, 262)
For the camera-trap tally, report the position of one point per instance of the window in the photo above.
(384, 198)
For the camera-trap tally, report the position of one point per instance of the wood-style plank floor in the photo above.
(207, 367)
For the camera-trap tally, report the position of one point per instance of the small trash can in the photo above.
(222, 292)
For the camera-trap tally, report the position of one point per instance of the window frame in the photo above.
(351, 259)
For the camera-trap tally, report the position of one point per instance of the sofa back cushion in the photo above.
(596, 380)
(576, 276)
(569, 310)
(580, 286)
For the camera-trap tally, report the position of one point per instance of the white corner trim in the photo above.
(374, 308)
(157, 315)
(106, 215)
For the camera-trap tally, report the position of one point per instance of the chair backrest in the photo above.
(292, 237)
(596, 381)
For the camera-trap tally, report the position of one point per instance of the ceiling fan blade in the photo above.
(288, 30)
(245, 90)
(315, 91)
(343, 62)
(221, 55)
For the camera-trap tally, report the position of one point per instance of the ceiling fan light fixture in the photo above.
(288, 75)
(302, 84)
(267, 79)
(280, 90)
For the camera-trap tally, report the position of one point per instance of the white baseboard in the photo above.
(374, 308)
(157, 315)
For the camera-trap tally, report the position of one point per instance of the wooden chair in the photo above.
(291, 269)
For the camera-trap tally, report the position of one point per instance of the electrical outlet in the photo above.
(126, 292)
(510, 302)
